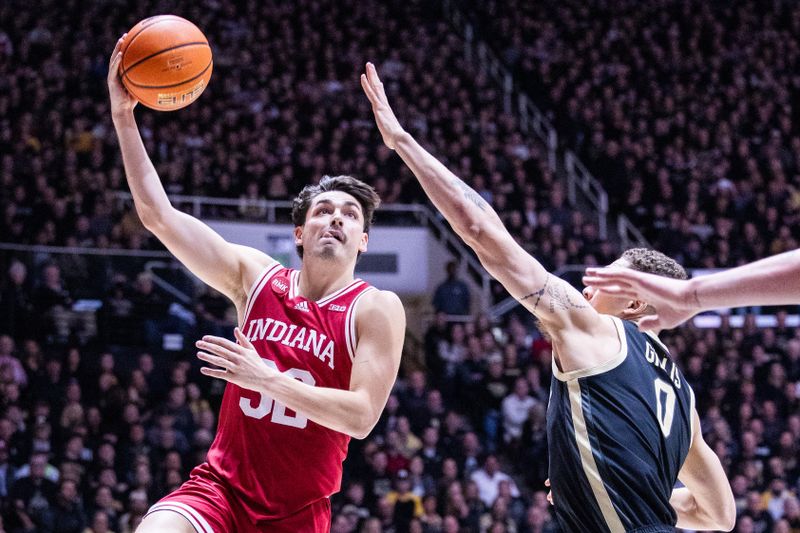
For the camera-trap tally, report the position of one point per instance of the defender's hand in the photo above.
(384, 116)
(239, 364)
(122, 101)
(672, 299)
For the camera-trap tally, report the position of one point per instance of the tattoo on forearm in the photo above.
(559, 299)
(470, 194)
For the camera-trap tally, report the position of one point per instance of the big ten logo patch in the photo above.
(338, 308)
(182, 97)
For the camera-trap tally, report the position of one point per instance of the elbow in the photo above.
(724, 519)
(363, 424)
(727, 519)
(471, 232)
(153, 219)
(149, 217)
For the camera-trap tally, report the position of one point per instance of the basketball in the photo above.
(166, 62)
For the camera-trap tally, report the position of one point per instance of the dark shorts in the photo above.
(211, 508)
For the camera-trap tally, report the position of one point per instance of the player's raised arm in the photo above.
(380, 329)
(771, 281)
(554, 301)
(226, 267)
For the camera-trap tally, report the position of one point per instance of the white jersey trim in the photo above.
(611, 364)
(197, 521)
(691, 413)
(347, 288)
(350, 325)
(588, 462)
(258, 284)
(293, 283)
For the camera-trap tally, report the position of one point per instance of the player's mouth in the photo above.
(333, 234)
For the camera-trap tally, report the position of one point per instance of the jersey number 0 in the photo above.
(665, 409)
(278, 410)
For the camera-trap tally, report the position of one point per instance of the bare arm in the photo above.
(706, 502)
(554, 301)
(380, 328)
(227, 267)
(771, 281)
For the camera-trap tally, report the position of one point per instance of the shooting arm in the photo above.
(227, 267)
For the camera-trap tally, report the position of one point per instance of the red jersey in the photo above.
(275, 460)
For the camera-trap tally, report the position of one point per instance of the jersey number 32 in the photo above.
(267, 405)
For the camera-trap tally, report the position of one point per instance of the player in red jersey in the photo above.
(317, 353)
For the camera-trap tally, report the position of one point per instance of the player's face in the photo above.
(334, 227)
(605, 303)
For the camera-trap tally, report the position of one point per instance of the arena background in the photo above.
(590, 127)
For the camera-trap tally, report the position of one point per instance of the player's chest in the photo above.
(298, 332)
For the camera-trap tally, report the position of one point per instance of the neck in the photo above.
(320, 278)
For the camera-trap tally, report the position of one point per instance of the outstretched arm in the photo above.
(554, 301)
(706, 502)
(771, 281)
(380, 328)
(227, 267)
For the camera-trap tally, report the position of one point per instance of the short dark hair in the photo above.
(364, 194)
(652, 262)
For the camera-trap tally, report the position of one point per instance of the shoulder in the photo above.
(378, 311)
(381, 302)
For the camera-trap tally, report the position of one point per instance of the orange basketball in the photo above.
(166, 62)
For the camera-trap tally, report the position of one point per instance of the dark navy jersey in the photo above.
(618, 435)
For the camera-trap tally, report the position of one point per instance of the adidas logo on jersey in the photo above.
(340, 308)
(302, 306)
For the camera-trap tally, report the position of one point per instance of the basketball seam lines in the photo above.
(173, 84)
(142, 60)
(165, 19)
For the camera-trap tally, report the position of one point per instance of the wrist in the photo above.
(122, 116)
(692, 296)
(270, 382)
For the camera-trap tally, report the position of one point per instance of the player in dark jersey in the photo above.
(317, 353)
(622, 427)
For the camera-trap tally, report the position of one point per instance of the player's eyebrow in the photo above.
(348, 203)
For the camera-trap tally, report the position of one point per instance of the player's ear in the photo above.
(635, 309)
(298, 236)
(362, 245)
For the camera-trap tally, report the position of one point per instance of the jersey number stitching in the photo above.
(665, 410)
(266, 403)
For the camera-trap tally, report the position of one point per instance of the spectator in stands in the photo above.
(452, 296)
(67, 514)
(516, 409)
(9, 360)
(405, 504)
(16, 307)
(33, 495)
(488, 479)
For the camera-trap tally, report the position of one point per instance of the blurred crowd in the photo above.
(99, 417)
(685, 110)
(284, 107)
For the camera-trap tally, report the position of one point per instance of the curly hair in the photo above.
(364, 194)
(652, 262)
